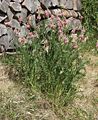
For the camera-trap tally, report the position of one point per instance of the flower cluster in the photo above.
(59, 23)
(56, 23)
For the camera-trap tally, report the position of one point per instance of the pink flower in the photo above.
(81, 37)
(58, 18)
(97, 44)
(16, 31)
(47, 13)
(28, 26)
(65, 40)
(60, 31)
(59, 24)
(39, 17)
(20, 19)
(52, 26)
(75, 46)
(30, 33)
(22, 40)
(81, 17)
(52, 17)
(73, 31)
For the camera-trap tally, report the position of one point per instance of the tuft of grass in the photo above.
(53, 71)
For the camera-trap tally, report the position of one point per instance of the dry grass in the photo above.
(17, 104)
(85, 105)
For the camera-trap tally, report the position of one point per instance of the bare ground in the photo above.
(17, 104)
(85, 105)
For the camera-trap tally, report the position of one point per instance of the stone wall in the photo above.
(16, 14)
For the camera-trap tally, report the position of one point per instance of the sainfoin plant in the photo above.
(50, 61)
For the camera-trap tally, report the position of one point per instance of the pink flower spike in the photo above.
(97, 44)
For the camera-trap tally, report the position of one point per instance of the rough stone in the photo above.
(23, 31)
(15, 24)
(55, 3)
(73, 23)
(32, 20)
(10, 33)
(29, 4)
(19, 1)
(4, 6)
(72, 13)
(65, 13)
(79, 14)
(10, 14)
(2, 18)
(69, 4)
(37, 4)
(12, 38)
(4, 41)
(47, 3)
(15, 6)
(77, 5)
(23, 14)
(77, 24)
(3, 30)
(7, 1)
(56, 11)
(62, 3)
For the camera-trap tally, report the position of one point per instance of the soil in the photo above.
(28, 107)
